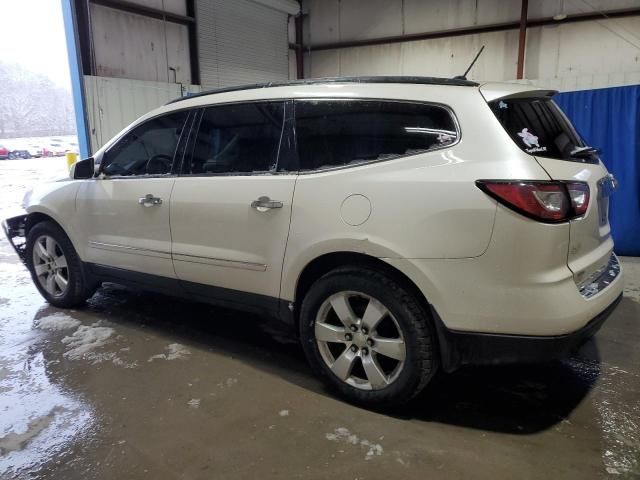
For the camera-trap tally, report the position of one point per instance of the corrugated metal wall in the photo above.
(241, 42)
(568, 56)
(113, 103)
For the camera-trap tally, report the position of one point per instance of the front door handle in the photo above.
(263, 204)
(149, 200)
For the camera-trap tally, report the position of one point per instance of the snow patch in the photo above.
(194, 403)
(175, 351)
(631, 266)
(284, 413)
(618, 415)
(343, 435)
(85, 340)
(58, 321)
(18, 441)
(228, 383)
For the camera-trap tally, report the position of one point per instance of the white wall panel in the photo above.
(113, 103)
(241, 42)
(583, 48)
(578, 55)
(341, 20)
(357, 23)
(137, 47)
(173, 6)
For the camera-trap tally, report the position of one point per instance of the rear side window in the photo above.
(335, 133)
(238, 139)
(539, 127)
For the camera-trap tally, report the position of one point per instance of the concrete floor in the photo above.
(137, 385)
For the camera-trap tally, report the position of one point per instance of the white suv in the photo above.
(402, 225)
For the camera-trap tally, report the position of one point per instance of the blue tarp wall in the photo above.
(609, 119)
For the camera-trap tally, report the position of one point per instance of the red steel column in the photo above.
(523, 38)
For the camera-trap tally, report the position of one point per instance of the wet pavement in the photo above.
(138, 385)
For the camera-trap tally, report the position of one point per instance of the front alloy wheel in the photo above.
(50, 266)
(55, 267)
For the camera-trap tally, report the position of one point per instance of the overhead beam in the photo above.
(125, 6)
(455, 32)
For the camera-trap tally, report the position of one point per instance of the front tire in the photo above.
(368, 337)
(55, 267)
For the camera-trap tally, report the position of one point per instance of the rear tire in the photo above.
(55, 267)
(368, 337)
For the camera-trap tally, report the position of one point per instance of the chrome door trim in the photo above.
(220, 262)
(113, 247)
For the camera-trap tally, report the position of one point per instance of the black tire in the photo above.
(78, 287)
(421, 362)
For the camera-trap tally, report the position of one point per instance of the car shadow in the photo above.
(516, 399)
(521, 399)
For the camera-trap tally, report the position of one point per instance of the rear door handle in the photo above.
(149, 200)
(264, 203)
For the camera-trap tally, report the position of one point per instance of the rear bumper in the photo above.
(14, 229)
(468, 348)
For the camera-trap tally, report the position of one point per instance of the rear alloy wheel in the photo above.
(368, 337)
(365, 349)
(55, 267)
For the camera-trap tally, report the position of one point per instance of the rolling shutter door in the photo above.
(241, 42)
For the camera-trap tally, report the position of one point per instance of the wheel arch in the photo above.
(34, 218)
(323, 264)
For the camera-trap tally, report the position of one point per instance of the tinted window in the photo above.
(539, 127)
(238, 138)
(336, 133)
(147, 149)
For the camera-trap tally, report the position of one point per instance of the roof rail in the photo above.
(329, 80)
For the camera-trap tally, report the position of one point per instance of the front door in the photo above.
(231, 206)
(124, 213)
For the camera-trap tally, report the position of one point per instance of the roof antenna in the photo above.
(464, 76)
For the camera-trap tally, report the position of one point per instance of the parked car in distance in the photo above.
(57, 149)
(400, 225)
(20, 153)
(4, 152)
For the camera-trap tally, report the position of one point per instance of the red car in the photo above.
(4, 153)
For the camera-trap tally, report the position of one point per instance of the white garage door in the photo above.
(242, 42)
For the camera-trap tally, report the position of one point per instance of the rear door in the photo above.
(231, 205)
(538, 126)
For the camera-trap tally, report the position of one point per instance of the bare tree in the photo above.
(32, 105)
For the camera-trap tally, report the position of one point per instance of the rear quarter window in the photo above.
(538, 126)
(338, 133)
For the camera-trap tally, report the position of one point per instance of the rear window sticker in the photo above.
(528, 138)
(531, 141)
(502, 105)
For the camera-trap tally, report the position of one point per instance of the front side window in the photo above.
(238, 139)
(538, 126)
(148, 149)
(335, 133)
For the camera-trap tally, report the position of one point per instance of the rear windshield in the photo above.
(540, 128)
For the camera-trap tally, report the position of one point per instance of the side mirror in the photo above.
(83, 169)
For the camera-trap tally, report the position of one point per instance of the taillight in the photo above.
(545, 201)
(579, 195)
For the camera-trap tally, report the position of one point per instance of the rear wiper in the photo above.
(580, 152)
